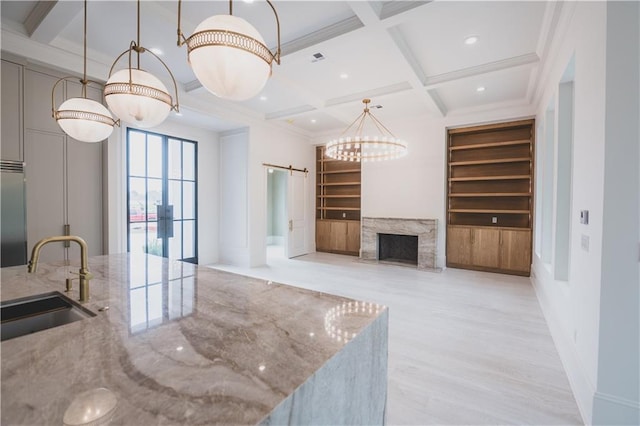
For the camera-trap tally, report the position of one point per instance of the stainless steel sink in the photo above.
(40, 312)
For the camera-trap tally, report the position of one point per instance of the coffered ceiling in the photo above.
(410, 57)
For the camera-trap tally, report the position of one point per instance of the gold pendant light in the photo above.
(137, 96)
(83, 119)
(360, 146)
(228, 55)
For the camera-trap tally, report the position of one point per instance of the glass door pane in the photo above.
(162, 195)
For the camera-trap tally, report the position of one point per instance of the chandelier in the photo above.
(83, 119)
(228, 55)
(137, 96)
(359, 147)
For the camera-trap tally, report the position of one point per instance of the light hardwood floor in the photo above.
(465, 347)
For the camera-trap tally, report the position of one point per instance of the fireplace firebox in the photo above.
(398, 248)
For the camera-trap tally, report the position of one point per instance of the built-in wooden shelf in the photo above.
(489, 197)
(340, 184)
(491, 194)
(490, 145)
(490, 161)
(330, 172)
(481, 178)
(488, 211)
(337, 204)
(346, 209)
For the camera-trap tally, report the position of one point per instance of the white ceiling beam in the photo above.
(373, 93)
(530, 60)
(48, 18)
(408, 66)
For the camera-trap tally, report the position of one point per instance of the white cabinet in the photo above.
(64, 176)
(11, 91)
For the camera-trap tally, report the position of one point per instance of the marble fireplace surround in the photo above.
(425, 229)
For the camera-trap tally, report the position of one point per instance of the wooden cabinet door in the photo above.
(339, 236)
(353, 237)
(323, 235)
(515, 250)
(459, 245)
(485, 247)
(11, 111)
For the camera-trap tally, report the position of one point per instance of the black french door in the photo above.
(162, 195)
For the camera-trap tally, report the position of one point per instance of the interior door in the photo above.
(297, 213)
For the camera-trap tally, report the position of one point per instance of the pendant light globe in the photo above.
(229, 57)
(84, 119)
(138, 97)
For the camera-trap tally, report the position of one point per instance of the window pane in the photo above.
(137, 200)
(175, 198)
(189, 200)
(175, 159)
(175, 243)
(188, 161)
(154, 198)
(188, 239)
(137, 159)
(137, 243)
(154, 156)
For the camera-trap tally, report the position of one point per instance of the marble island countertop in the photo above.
(182, 344)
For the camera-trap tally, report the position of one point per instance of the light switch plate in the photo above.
(584, 217)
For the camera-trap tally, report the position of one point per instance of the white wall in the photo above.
(595, 312)
(234, 198)
(617, 398)
(208, 153)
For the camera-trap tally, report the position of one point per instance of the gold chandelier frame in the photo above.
(231, 39)
(135, 89)
(78, 114)
(363, 148)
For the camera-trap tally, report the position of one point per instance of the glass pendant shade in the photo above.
(85, 120)
(229, 58)
(144, 101)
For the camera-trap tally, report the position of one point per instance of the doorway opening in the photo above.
(276, 213)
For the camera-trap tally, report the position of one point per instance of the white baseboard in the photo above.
(583, 389)
(615, 410)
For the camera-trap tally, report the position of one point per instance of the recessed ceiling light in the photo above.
(471, 40)
(156, 51)
(480, 89)
(313, 120)
(248, 1)
(263, 98)
(344, 76)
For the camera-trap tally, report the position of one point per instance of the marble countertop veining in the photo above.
(179, 344)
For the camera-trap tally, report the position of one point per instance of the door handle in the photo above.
(290, 225)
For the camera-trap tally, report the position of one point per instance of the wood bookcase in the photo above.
(490, 197)
(337, 205)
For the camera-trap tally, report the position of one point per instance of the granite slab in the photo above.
(183, 344)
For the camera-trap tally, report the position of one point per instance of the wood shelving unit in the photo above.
(337, 205)
(490, 201)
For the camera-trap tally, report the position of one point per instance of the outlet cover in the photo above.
(584, 242)
(494, 219)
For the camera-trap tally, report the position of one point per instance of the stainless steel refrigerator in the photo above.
(13, 214)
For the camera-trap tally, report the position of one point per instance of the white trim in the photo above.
(583, 389)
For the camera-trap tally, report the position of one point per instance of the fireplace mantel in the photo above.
(425, 229)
